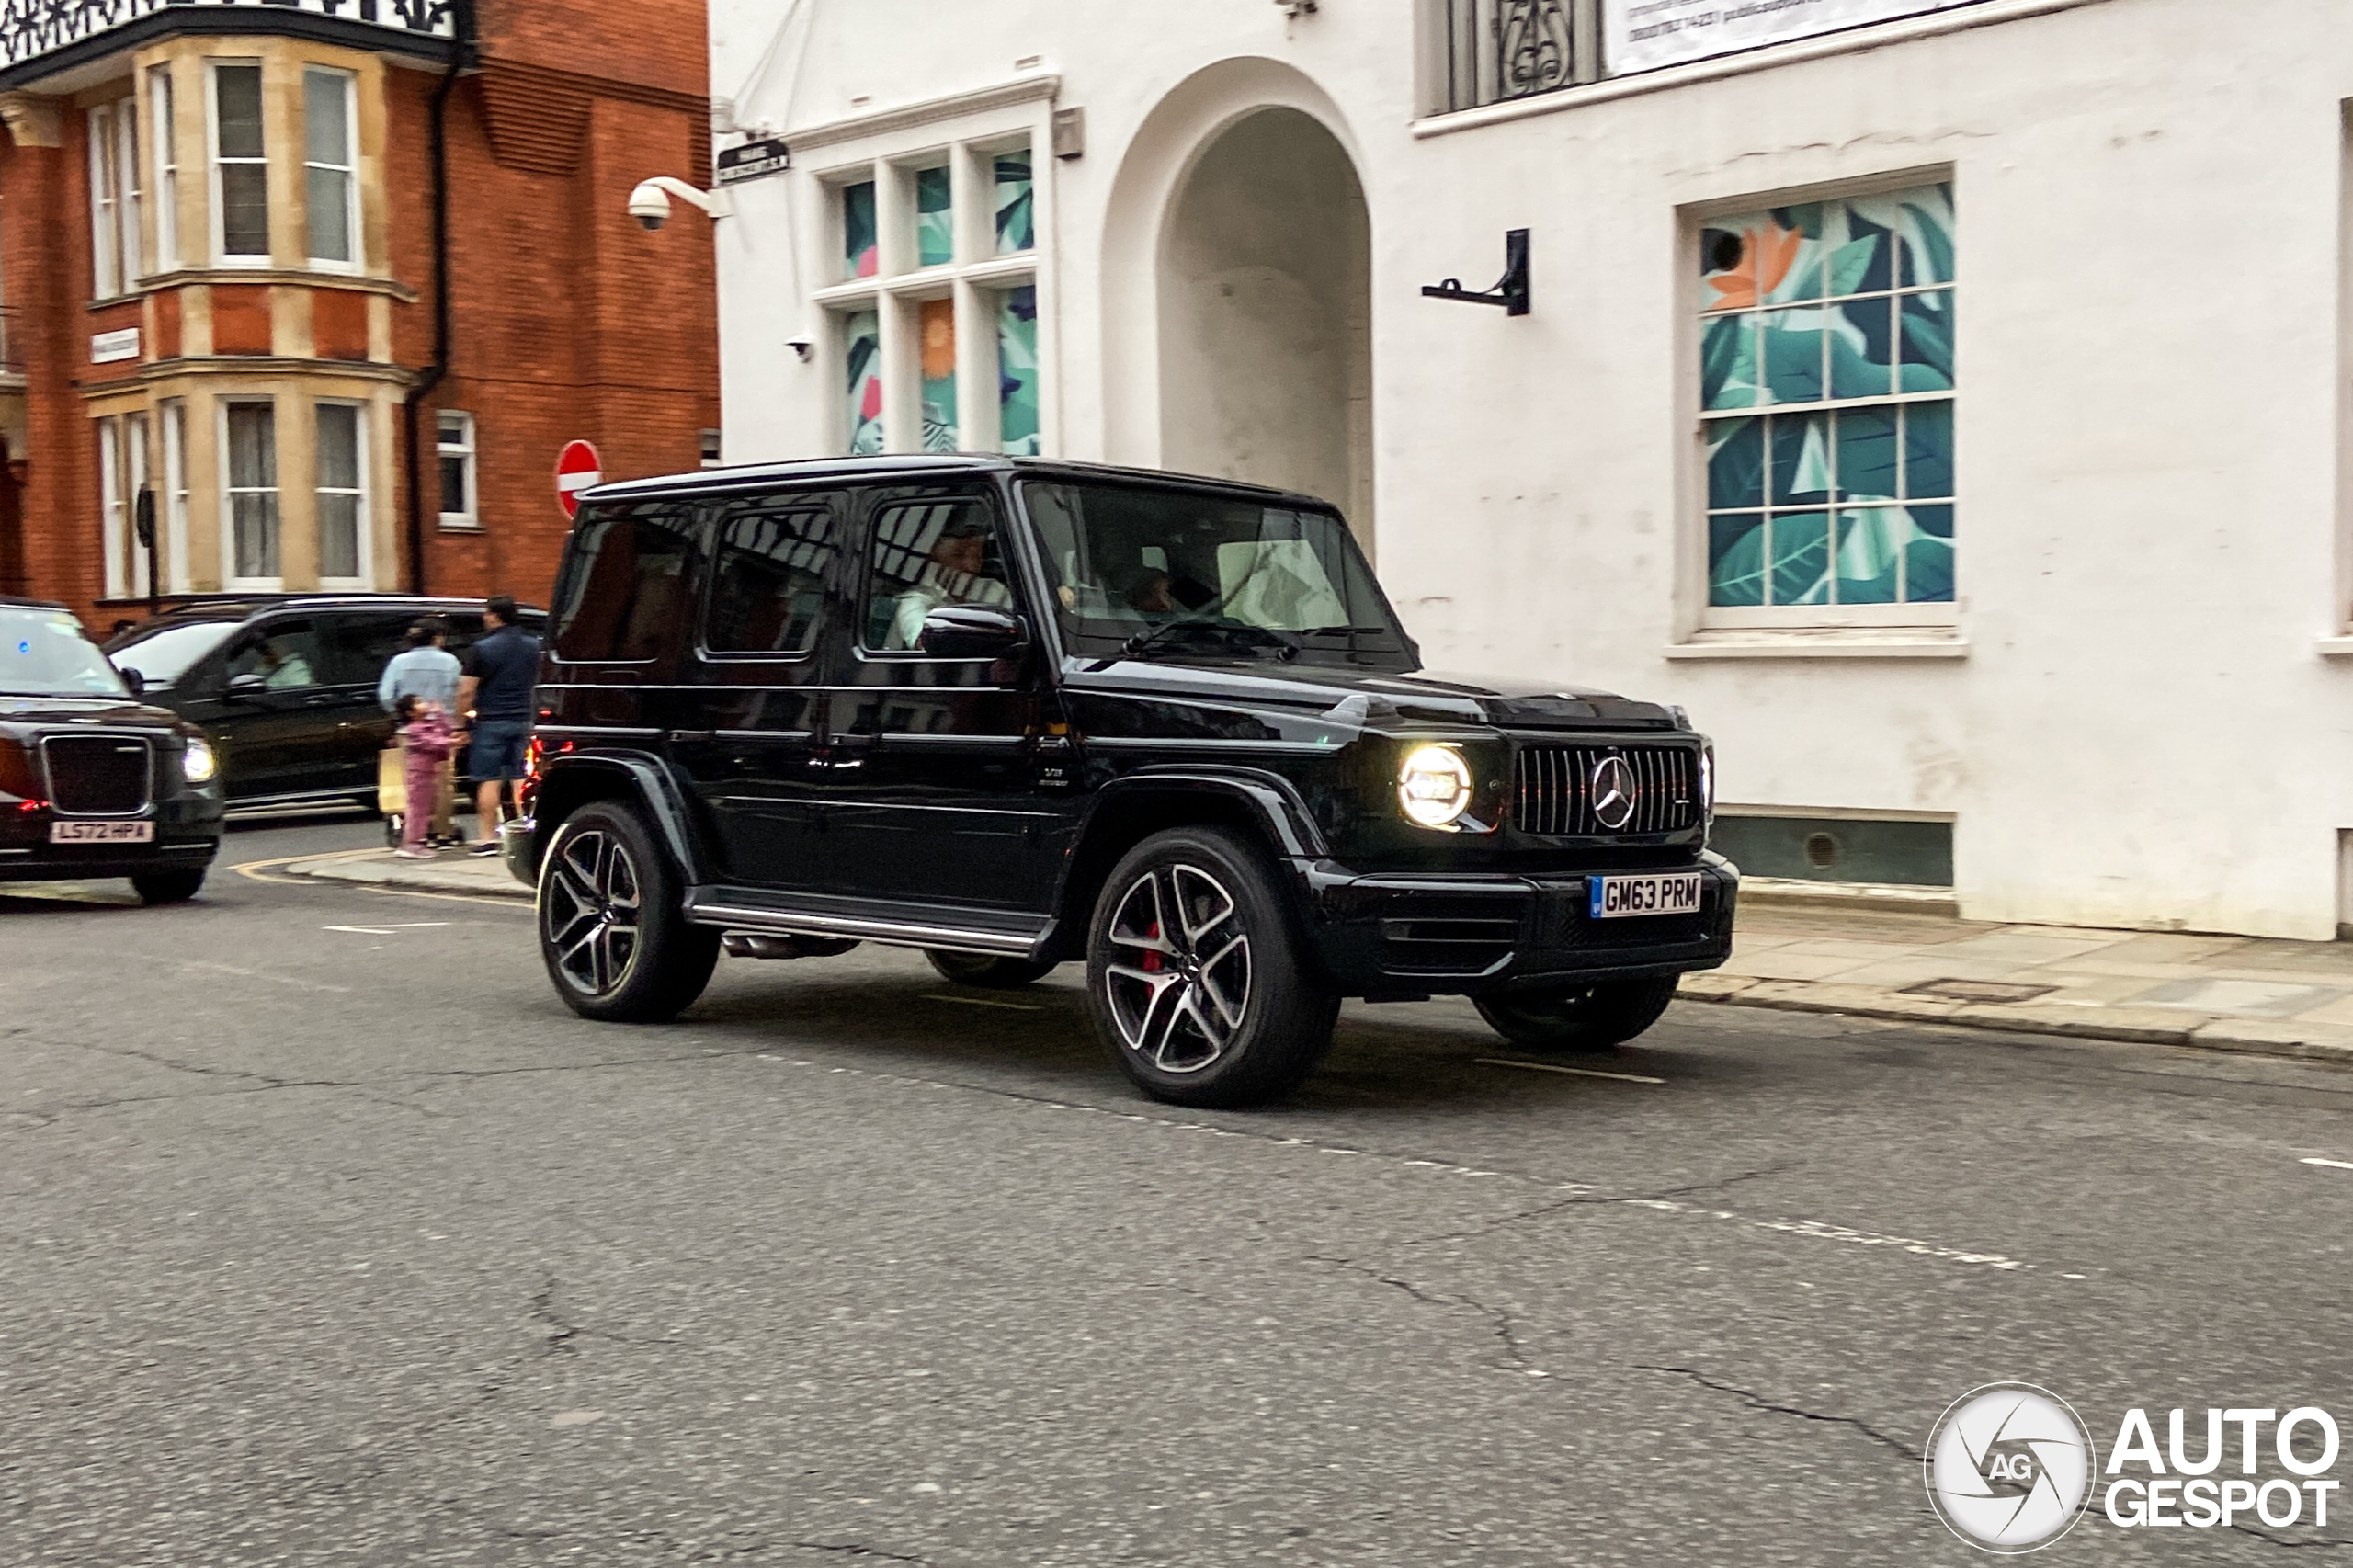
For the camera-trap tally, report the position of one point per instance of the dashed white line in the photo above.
(2332, 1164)
(983, 1001)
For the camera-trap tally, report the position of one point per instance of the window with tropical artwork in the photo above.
(934, 320)
(1827, 386)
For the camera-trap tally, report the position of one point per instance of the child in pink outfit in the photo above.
(426, 740)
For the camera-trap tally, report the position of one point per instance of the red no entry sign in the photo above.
(575, 471)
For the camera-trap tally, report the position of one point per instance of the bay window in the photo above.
(240, 165)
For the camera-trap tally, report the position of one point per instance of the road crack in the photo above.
(1590, 1198)
(1758, 1401)
(1512, 1353)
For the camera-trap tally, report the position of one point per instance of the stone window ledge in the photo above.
(1826, 643)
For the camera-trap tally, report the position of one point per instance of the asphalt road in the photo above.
(330, 1237)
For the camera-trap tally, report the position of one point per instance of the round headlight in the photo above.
(1434, 787)
(198, 762)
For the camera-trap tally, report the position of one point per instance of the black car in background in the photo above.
(285, 685)
(1018, 713)
(94, 782)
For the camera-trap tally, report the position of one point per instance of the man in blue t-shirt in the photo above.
(495, 688)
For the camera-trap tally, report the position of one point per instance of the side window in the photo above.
(628, 586)
(925, 554)
(358, 647)
(768, 588)
(285, 654)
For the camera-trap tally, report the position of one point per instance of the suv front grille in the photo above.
(98, 776)
(1553, 789)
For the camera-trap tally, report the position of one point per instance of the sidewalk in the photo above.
(1876, 961)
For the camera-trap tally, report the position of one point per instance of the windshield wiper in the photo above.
(1143, 641)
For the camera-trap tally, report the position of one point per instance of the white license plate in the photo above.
(1666, 892)
(102, 832)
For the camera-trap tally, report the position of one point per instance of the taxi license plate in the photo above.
(102, 832)
(1665, 892)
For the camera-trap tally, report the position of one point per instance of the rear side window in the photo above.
(358, 647)
(768, 590)
(628, 588)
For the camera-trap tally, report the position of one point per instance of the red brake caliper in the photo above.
(1152, 955)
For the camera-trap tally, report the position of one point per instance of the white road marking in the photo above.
(258, 974)
(1575, 1071)
(2332, 1164)
(386, 930)
(985, 1001)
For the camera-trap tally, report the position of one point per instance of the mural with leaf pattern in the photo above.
(1826, 389)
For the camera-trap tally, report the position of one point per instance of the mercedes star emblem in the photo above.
(1613, 793)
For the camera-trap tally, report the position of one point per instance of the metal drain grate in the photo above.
(1978, 990)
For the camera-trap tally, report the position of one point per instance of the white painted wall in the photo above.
(2151, 426)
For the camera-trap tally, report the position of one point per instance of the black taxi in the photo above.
(95, 782)
(1018, 713)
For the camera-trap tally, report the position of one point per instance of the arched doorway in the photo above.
(1265, 340)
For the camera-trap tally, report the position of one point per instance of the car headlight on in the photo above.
(198, 763)
(1434, 787)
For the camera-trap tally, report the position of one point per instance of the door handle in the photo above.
(692, 737)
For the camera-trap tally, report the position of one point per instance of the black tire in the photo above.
(168, 887)
(612, 929)
(992, 973)
(1578, 1018)
(1242, 1018)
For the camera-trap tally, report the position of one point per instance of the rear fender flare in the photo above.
(575, 780)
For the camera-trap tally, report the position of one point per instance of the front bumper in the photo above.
(1409, 935)
(187, 835)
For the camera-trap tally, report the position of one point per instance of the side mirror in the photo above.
(134, 679)
(246, 684)
(971, 631)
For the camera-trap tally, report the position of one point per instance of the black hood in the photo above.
(1367, 698)
(47, 711)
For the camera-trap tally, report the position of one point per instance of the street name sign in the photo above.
(1644, 35)
(766, 155)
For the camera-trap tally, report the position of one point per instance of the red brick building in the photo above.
(335, 280)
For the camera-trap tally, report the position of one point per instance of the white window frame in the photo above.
(130, 189)
(361, 522)
(1766, 620)
(164, 120)
(230, 490)
(349, 171)
(463, 449)
(106, 243)
(213, 162)
(110, 506)
(172, 516)
(134, 479)
(974, 278)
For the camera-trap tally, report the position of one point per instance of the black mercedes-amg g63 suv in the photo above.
(1018, 713)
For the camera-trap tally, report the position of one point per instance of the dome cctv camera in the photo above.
(650, 205)
(800, 346)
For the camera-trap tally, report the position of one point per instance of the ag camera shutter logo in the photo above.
(2010, 1467)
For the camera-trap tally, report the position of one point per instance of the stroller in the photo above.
(391, 796)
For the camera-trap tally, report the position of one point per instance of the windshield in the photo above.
(164, 654)
(44, 653)
(1199, 573)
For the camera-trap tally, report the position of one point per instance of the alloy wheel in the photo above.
(592, 911)
(1179, 980)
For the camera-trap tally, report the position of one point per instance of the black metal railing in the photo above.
(1497, 50)
(29, 29)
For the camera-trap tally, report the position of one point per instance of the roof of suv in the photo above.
(919, 466)
(238, 606)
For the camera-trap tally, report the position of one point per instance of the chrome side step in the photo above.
(865, 928)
